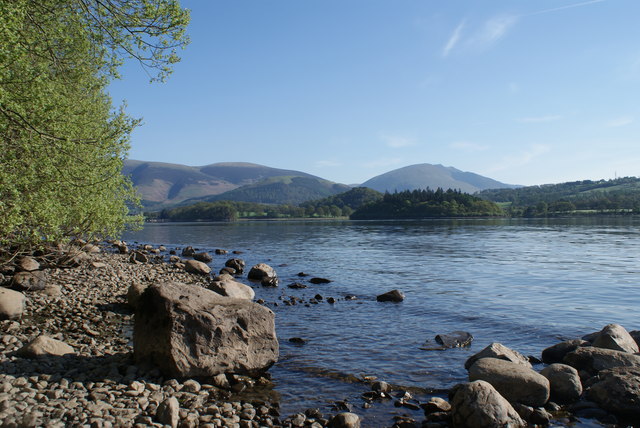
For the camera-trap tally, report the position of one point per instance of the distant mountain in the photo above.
(425, 175)
(282, 190)
(163, 185)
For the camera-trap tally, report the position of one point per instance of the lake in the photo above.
(524, 283)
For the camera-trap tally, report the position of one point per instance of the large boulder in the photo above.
(515, 382)
(11, 304)
(134, 292)
(29, 281)
(498, 350)
(189, 331)
(478, 405)
(227, 286)
(196, 267)
(593, 360)
(614, 336)
(262, 271)
(618, 391)
(556, 353)
(43, 346)
(565, 382)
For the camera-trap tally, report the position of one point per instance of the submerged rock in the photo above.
(455, 339)
(391, 296)
(317, 280)
(189, 331)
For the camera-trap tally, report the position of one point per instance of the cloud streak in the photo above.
(453, 39)
(539, 119)
(397, 141)
(521, 159)
(568, 6)
(467, 146)
(620, 121)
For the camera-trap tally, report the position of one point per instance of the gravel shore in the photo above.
(99, 385)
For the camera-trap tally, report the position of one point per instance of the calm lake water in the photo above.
(525, 284)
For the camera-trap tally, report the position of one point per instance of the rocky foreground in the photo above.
(71, 355)
(66, 353)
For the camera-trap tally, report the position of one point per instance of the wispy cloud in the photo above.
(620, 121)
(493, 30)
(539, 119)
(327, 163)
(467, 146)
(397, 141)
(453, 39)
(568, 6)
(518, 160)
(377, 163)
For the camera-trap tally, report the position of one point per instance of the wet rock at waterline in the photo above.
(270, 281)
(203, 257)
(261, 271)
(225, 285)
(188, 251)
(478, 405)
(189, 331)
(236, 264)
(515, 382)
(498, 350)
(196, 267)
(391, 296)
(614, 336)
(11, 304)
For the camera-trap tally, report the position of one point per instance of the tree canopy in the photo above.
(63, 142)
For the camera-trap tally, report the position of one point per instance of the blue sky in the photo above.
(525, 92)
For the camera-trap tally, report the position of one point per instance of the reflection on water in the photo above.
(526, 284)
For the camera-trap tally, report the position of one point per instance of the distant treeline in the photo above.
(341, 205)
(620, 195)
(414, 204)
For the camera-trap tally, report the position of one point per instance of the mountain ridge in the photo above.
(163, 184)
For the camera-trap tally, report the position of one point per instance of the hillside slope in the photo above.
(425, 175)
(165, 184)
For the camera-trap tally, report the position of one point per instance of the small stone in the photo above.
(391, 296)
(168, 412)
